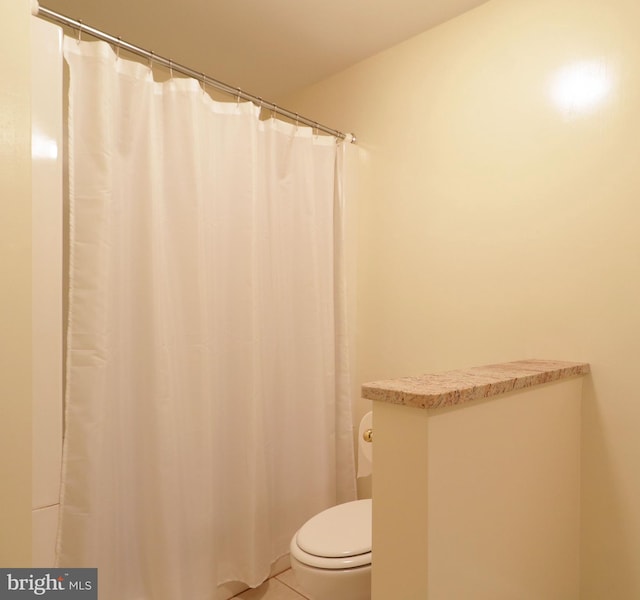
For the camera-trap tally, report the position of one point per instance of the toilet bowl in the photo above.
(331, 553)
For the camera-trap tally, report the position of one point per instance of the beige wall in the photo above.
(46, 260)
(15, 294)
(503, 471)
(497, 225)
(474, 481)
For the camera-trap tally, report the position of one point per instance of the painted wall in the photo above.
(15, 291)
(46, 177)
(498, 211)
(475, 480)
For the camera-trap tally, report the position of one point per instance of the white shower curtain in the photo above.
(207, 406)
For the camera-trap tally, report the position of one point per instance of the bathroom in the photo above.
(494, 223)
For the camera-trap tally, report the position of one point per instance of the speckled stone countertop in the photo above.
(457, 387)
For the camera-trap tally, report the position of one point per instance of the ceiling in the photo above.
(267, 48)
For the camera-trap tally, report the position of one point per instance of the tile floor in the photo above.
(281, 587)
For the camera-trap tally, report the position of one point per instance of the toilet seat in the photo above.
(337, 538)
(320, 562)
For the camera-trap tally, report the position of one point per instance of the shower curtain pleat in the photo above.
(207, 403)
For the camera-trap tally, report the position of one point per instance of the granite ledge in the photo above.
(457, 387)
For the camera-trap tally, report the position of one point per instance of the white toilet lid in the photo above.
(341, 531)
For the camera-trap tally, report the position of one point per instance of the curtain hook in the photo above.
(151, 59)
(79, 38)
(274, 111)
(239, 90)
(297, 120)
(118, 48)
(315, 129)
(170, 69)
(203, 80)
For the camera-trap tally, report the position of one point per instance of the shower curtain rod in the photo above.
(78, 25)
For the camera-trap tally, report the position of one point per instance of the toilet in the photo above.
(331, 553)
